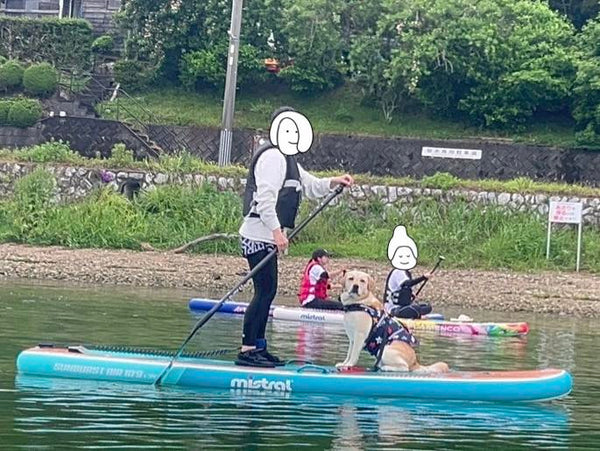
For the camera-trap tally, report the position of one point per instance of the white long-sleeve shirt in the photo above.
(269, 173)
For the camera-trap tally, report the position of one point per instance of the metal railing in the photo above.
(93, 92)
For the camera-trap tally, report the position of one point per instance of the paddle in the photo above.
(338, 190)
(440, 260)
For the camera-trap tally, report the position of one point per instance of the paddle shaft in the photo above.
(338, 190)
(439, 262)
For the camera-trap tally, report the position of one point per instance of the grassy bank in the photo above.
(170, 216)
(122, 159)
(340, 111)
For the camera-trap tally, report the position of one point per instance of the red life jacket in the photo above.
(319, 290)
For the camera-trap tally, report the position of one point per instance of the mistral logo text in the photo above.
(262, 384)
(312, 317)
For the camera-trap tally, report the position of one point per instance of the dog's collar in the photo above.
(360, 308)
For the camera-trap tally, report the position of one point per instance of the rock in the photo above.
(357, 192)
(404, 191)
(503, 198)
(518, 198)
(161, 178)
(392, 194)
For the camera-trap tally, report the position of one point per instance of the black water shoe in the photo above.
(254, 357)
(271, 358)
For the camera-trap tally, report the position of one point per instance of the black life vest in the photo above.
(404, 295)
(289, 196)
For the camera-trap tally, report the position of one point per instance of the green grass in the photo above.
(486, 238)
(469, 237)
(340, 111)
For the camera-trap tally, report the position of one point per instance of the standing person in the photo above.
(315, 283)
(273, 192)
(402, 253)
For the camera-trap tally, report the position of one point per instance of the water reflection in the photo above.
(230, 418)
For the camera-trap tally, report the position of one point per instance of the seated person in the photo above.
(315, 283)
(399, 296)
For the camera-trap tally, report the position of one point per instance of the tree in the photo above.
(495, 61)
(162, 31)
(586, 92)
(314, 44)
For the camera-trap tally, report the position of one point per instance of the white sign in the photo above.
(565, 213)
(444, 152)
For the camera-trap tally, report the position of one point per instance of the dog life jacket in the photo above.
(319, 290)
(384, 329)
(289, 196)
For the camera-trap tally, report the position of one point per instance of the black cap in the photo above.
(320, 253)
(280, 110)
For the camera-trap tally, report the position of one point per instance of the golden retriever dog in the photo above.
(362, 322)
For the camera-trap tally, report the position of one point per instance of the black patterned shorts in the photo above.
(250, 247)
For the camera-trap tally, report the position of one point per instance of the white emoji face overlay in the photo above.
(291, 133)
(402, 250)
(404, 258)
(288, 137)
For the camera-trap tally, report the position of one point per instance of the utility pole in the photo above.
(230, 84)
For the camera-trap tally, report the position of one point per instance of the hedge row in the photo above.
(66, 43)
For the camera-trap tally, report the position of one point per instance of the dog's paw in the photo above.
(341, 365)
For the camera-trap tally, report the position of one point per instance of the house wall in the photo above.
(31, 8)
(98, 12)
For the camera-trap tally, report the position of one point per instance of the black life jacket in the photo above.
(289, 196)
(403, 296)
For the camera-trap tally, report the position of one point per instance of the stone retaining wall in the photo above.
(393, 156)
(76, 182)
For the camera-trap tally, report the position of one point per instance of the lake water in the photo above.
(45, 413)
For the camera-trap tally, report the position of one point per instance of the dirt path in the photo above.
(566, 293)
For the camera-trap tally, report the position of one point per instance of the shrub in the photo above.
(2, 60)
(202, 68)
(55, 151)
(207, 68)
(11, 75)
(440, 180)
(103, 44)
(121, 156)
(305, 80)
(133, 75)
(33, 197)
(24, 112)
(40, 79)
(4, 108)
